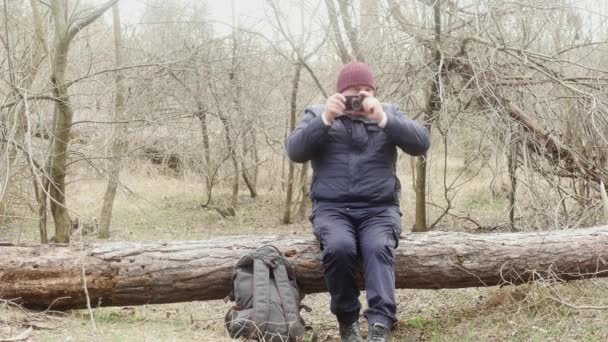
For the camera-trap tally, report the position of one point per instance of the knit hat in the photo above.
(355, 74)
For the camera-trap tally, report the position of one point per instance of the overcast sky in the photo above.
(252, 14)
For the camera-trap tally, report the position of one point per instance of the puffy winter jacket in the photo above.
(354, 160)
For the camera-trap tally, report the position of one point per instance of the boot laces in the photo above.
(378, 332)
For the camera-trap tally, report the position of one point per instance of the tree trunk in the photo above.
(292, 125)
(201, 114)
(304, 188)
(132, 273)
(253, 193)
(5, 180)
(236, 99)
(369, 33)
(512, 163)
(420, 190)
(248, 178)
(256, 157)
(61, 130)
(2, 207)
(351, 30)
(433, 106)
(42, 188)
(230, 145)
(118, 142)
(332, 13)
(604, 196)
(234, 198)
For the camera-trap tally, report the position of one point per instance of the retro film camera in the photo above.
(354, 103)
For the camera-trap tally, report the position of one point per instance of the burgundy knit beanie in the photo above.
(355, 74)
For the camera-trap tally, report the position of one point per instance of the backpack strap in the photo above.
(261, 293)
(287, 300)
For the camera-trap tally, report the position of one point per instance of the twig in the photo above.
(84, 285)
(578, 307)
(21, 337)
(604, 201)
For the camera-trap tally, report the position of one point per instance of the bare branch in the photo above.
(80, 24)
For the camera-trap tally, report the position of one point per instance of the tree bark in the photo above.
(133, 273)
(305, 190)
(236, 99)
(351, 31)
(256, 157)
(292, 125)
(63, 123)
(335, 28)
(230, 144)
(42, 189)
(512, 163)
(369, 32)
(118, 142)
(432, 109)
(253, 193)
(604, 201)
(201, 114)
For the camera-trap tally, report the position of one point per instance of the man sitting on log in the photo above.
(352, 142)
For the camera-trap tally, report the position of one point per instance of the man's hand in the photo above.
(373, 108)
(334, 107)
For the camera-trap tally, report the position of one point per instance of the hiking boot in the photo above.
(350, 332)
(377, 333)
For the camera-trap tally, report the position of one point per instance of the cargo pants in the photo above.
(347, 233)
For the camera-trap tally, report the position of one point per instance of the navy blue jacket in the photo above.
(354, 160)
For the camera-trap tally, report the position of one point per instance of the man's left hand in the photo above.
(373, 108)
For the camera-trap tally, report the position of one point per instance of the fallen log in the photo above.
(132, 273)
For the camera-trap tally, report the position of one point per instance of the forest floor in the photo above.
(534, 312)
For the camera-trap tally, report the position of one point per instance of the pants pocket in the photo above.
(395, 236)
(397, 226)
(319, 237)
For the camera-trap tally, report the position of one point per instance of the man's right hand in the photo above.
(334, 107)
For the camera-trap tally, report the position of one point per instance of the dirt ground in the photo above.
(480, 314)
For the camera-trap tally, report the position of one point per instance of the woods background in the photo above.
(157, 120)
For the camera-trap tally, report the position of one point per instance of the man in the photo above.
(355, 194)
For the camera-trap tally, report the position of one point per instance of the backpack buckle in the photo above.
(271, 262)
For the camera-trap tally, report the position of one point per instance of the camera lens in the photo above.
(357, 105)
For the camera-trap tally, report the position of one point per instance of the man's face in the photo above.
(354, 91)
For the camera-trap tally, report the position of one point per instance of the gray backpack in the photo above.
(267, 297)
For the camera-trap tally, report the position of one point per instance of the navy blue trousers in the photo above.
(349, 232)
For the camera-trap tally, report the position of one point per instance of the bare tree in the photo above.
(38, 53)
(299, 61)
(65, 30)
(515, 93)
(478, 89)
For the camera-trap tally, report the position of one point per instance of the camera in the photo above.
(354, 103)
